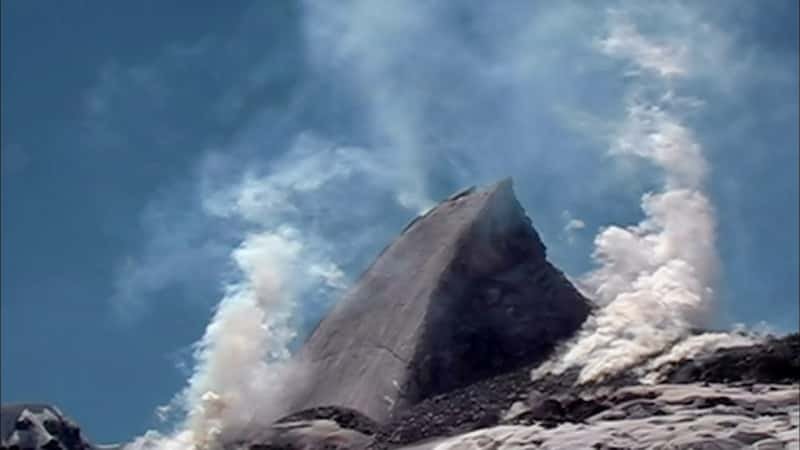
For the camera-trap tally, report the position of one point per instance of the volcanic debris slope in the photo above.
(759, 410)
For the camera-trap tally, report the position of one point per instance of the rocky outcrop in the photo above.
(39, 426)
(774, 361)
(465, 293)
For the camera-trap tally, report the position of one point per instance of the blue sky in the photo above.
(142, 143)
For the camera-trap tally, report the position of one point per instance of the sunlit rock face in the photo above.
(464, 293)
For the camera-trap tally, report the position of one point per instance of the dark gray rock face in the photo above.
(465, 293)
(39, 426)
(774, 361)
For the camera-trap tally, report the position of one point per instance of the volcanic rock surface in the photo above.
(465, 293)
(513, 411)
(39, 426)
(688, 416)
(554, 401)
(773, 361)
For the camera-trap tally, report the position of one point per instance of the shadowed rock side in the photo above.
(775, 361)
(465, 293)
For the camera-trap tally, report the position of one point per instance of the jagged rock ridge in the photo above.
(465, 293)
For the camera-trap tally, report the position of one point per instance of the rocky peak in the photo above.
(464, 293)
(37, 426)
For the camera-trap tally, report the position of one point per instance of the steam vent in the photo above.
(464, 293)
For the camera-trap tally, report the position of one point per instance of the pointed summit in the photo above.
(464, 293)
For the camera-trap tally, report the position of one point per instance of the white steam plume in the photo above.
(242, 379)
(235, 385)
(655, 279)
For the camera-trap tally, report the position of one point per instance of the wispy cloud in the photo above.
(572, 226)
(182, 250)
(625, 41)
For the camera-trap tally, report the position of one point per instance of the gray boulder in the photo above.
(463, 294)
